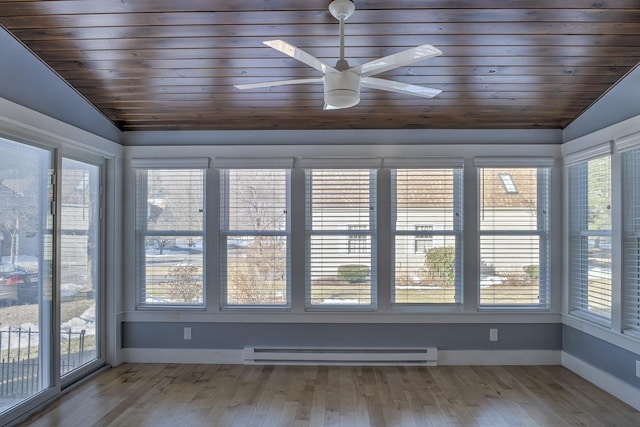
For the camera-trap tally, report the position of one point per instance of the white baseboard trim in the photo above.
(499, 357)
(612, 385)
(173, 355)
(445, 357)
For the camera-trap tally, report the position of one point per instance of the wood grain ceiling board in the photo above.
(171, 65)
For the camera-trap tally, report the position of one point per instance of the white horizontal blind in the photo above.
(514, 237)
(170, 236)
(170, 163)
(590, 238)
(427, 229)
(254, 237)
(340, 237)
(631, 240)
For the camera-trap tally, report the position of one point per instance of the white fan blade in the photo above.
(299, 54)
(397, 60)
(278, 83)
(382, 84)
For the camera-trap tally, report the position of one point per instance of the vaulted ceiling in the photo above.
(171, 65)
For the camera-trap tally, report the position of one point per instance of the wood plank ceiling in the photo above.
(169, 65)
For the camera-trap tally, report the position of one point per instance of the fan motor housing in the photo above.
(342, 90)
(341, 8)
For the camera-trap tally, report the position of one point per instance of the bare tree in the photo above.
(257, 273)
(159, 242)
(18, 213)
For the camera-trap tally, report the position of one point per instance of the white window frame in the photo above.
(373, 165)
(223, 165)
(456, 164)
(144, 165)
(576, 273)
(628, 149)
(544, 165)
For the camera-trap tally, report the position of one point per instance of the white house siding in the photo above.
(75, 241)
(503, 252)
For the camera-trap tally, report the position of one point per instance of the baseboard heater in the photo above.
(426, 356)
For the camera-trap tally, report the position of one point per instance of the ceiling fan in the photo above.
(342, 83)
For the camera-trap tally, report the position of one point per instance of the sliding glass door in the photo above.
(26, 249)
(50, 222)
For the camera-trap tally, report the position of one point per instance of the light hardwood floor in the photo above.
(233, 395)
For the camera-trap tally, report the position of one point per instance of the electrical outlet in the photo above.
(187, 333)
(637, 368)
(493, 334)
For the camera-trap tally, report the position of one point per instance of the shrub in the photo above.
(252, 281)
(532, 271)
(184, 284)
(440, 265)
(353, 272)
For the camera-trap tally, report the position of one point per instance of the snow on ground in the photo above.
(19, 336)
(68, 290)
(24, 336)
(341, 301)
(86, 321)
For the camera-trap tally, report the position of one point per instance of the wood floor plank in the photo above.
(264, 396)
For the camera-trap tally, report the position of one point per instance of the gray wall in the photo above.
(601, 354)
(27, 81)
(618, 104)
(454, 336)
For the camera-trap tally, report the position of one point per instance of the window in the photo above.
(170, 235)
(513, 235)
(340, 237)
(254, 235)
(427, 258)
(358, 243)
(507, 183)
(631, 240)
(423, 242)
(590, 238)
(80, 269)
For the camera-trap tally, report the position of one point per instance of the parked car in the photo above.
(17, 285)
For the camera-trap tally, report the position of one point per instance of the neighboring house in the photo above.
(169, 208)
(75, 225)
(509, 201)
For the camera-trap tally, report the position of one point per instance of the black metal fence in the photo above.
(20, 364)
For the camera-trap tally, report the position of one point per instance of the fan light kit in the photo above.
(342, 83)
